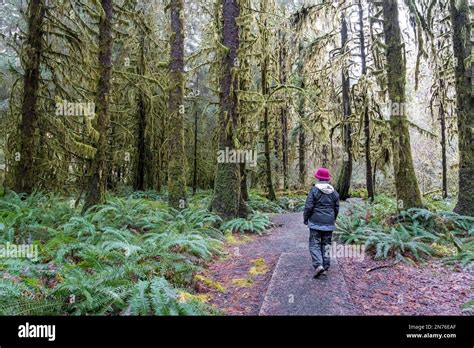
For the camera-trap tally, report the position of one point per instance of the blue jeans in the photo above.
(318, 242)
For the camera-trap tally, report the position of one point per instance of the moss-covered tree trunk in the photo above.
(142, 123)
(176, 153)
(406, 184)
(195, 147)
(301, 132)
(283, 53)
(244, 85)
(227, 200)
(98, 171)
(462, 46)
(344, 178)
(244, 190)
(159, 140)
(29, 113)
(114, 170)
(140, 172)
(368, 156)
(444, 160)
(264, 81)
(243, 182)
(268, 167)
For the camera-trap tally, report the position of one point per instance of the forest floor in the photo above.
(247, 280)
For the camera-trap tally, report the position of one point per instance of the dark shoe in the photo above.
(318, 271)
(325, 272)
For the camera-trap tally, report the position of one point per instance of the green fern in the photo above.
(255, 223)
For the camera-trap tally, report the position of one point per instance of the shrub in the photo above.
(123, 257)
(401, 243)
(261, 204)
(414, 234)
(255, 223)
(359, 193)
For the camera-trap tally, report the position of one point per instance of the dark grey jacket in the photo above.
(322, 207)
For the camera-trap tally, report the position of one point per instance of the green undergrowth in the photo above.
(130, 256)
(410, 235)
(283, 204)
(126, 257)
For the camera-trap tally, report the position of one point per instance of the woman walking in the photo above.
(320, 213)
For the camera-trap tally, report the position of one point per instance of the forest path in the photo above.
(288, 286)
(292, 289)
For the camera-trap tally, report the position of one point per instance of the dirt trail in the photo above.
(285, 285)
(287, 288)
(294, 291)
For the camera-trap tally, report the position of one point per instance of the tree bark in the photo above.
(242, 166)
(227, 200)
(266, 137)
(268, 167)
(284, 110)
(176, 153)
(464, 100)
(344, 178)
(406, 184)
(97, 181)
(301, 133)
(368, 156)
(195, 136)
(444, 160)
(24, 181)
(243, 182)
(140, 177)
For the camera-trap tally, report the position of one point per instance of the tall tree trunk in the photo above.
(140, 174)
(243, 182)
(176, 153)
(284, 110)
(98, 173)
(276, 154)
(444, 160)
(268, 167)
(406, 184)
(142, 124)
(363, 59)
(159, 140)
(464, 100)
(227, 200)
(344, 178)
(29, 113)
(195, 136)
(244, 85)
(374, 177)
(266, 137)
(113, 170)
(301, 155)
(244, 191)
(301, 133)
